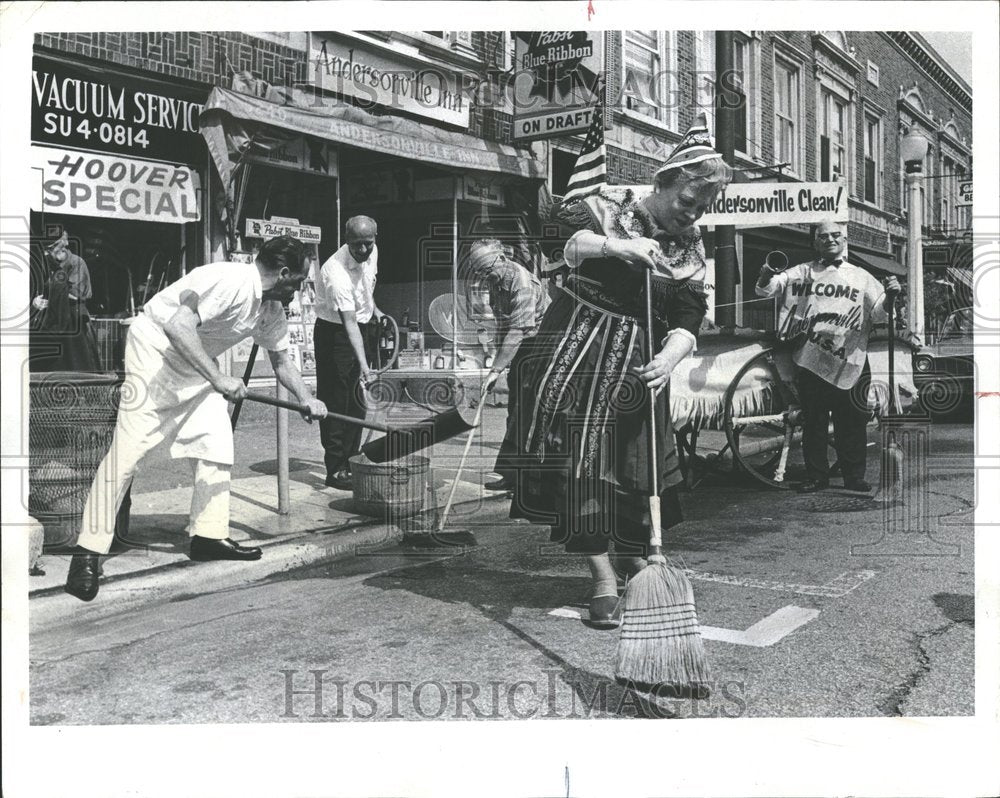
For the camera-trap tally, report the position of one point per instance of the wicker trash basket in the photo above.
(71, 420)
(390, 490)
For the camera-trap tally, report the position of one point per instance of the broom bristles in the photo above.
(660, 641)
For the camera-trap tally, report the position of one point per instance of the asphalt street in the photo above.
(823, 606)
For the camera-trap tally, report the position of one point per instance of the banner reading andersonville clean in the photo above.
(765, 204)
(762, 204)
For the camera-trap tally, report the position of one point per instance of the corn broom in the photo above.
(660, 649)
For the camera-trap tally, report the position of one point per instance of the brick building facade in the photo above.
(816, 105)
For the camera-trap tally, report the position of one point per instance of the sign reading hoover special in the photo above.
(557, 75)
(361, 70)
(94, 184)
(74, 107)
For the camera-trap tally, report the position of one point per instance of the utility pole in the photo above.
(725, 143)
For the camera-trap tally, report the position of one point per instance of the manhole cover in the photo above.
(843, 504)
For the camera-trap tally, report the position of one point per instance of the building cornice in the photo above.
(934, 68)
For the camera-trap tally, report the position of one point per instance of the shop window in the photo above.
(129, 262)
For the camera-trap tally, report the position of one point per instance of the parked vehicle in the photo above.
(944, 373)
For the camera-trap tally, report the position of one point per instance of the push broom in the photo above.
(660, 649)
(890, 489)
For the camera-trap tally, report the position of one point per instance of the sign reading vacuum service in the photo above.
(92, 110)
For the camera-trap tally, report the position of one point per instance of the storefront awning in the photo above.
(877, 262)
(232, 119)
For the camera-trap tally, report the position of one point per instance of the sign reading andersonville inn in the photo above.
(376, 76)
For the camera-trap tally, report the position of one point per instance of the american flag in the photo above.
(590, 174)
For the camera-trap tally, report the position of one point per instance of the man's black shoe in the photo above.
(205, 549)
(341, 481)
(82, 578)
(858, 485)
(499, 484)
(813, 486)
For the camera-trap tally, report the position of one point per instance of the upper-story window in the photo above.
(746, 84)
(873, 160)
(834, 135)
(787, 115)
(704, 75)
(649, 76)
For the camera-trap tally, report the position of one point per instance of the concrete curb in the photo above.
(176, 581)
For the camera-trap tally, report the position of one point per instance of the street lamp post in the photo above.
(914, 150)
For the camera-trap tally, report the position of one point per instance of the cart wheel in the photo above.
(760, 418)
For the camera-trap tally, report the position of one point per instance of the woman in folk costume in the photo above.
(584, 420)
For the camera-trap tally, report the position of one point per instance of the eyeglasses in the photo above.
(829, 236)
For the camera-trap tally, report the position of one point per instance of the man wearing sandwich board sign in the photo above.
(827, 311)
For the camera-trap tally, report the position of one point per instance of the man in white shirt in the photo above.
(345, 339)
(175, 394)
(827, 312)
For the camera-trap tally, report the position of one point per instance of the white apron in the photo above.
(170, 401)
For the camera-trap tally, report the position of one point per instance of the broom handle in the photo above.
(461, 463)
(893, 404)
(270, 400)
(238, 405)
(655, 542)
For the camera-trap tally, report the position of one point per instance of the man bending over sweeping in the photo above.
(175, 394)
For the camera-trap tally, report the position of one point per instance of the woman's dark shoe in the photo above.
(604, 612)
(813, 486)
(205, 549)
(499, 484)
(858, 485)
(81, 581)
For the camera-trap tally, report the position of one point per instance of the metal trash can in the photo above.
(71, 421)
(390, 490)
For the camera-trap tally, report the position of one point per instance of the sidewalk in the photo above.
(322, 524)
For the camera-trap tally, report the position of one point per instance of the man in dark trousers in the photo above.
(345, 339)
(827, 312)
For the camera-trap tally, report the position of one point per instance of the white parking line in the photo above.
(838, 587)
(766, 632)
